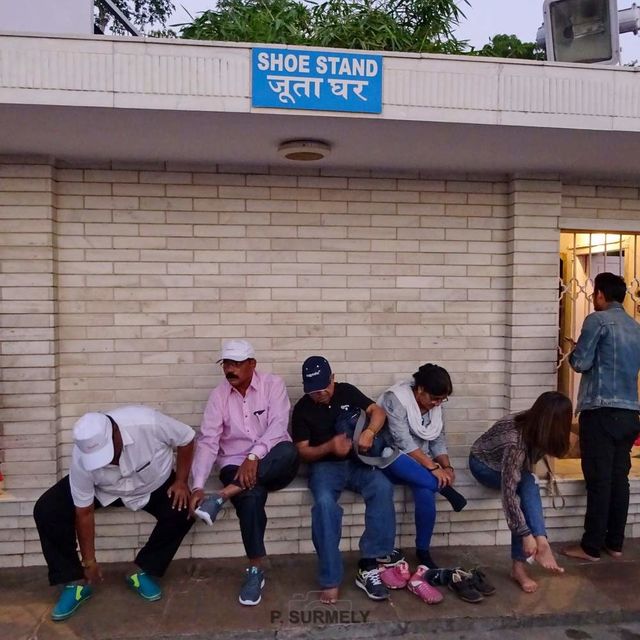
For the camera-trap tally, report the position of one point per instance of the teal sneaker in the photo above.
(145, 586)
(72, 596)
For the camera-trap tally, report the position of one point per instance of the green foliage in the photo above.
(147, 15)
(270, 21)
(387, 25)
(422, 26)
(431, 24)
(505, 46)
(356, 25)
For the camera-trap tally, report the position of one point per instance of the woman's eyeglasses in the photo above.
(436, 399)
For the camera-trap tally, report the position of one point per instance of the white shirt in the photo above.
(148, 440)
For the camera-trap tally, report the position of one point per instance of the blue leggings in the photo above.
(424, 485)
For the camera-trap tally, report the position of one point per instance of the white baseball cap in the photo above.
(238, 350)
(93, 437)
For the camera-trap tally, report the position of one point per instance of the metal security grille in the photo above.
(582, 257)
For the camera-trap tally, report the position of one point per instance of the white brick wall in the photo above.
(28, 343)
(366, 270)
(119, 283)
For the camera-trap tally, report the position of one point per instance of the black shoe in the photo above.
(457, 501)
(481, 583)
(462, 585)
(391, 559)
(439, 577)
(424, 557)
(370, 583)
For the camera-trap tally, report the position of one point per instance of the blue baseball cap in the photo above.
(316, 374)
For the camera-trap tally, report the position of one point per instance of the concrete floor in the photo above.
(619, 631)
(200, 602)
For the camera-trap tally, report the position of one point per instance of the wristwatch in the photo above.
(252, 456)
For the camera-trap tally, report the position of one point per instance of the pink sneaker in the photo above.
(418, 585)
(397, 576)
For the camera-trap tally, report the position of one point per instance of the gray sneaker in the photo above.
(251, 590)
(370, 583)
(210, 508)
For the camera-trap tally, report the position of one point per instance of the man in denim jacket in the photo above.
(607, 355)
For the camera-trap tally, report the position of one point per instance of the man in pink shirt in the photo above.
(244, 431)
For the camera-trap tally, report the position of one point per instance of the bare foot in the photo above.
(519, 574)
(329, 596)
(545, 557)
(613, 554)
(576, 551)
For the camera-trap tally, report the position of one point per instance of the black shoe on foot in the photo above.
(391, 559)
(462, 585)
(424, 557)
(456, 499)
(481, 583)
(370, 583)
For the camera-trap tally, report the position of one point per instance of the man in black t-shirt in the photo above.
(334, 467)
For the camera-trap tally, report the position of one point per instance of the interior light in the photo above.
(304, 150)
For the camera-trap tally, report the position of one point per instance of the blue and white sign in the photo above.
(321, 80)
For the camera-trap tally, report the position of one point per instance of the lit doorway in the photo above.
(583, 255)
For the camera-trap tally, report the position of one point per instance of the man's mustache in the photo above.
(231, 376)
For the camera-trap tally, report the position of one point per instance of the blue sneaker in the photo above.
(72, 596)
(251, 590)
(145, 586)
(210, 508)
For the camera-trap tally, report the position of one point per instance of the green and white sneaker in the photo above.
(145, 586)
(72, 596)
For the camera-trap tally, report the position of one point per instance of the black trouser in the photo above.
(54, 514)
(606, 438)
(275, 471)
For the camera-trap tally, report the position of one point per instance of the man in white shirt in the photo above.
(120, 458)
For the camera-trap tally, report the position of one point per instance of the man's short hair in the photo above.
(612, 287)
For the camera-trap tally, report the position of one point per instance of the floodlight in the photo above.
(583, 31)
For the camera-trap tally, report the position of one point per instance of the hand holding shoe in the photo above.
(197, 496)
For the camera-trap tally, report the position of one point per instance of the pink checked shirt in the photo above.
(234, 426)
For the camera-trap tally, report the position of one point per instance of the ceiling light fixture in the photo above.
(304, 150)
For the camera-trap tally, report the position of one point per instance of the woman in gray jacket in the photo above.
(415, 425)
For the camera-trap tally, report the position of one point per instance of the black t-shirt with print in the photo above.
(316, 422)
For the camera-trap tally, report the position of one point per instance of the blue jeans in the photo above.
(405, 470)
(530, 501)
(327, 480)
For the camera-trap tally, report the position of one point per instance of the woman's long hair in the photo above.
(546, 426)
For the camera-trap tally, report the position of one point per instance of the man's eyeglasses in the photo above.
(318, 393)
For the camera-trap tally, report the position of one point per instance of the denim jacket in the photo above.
(608, 357)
